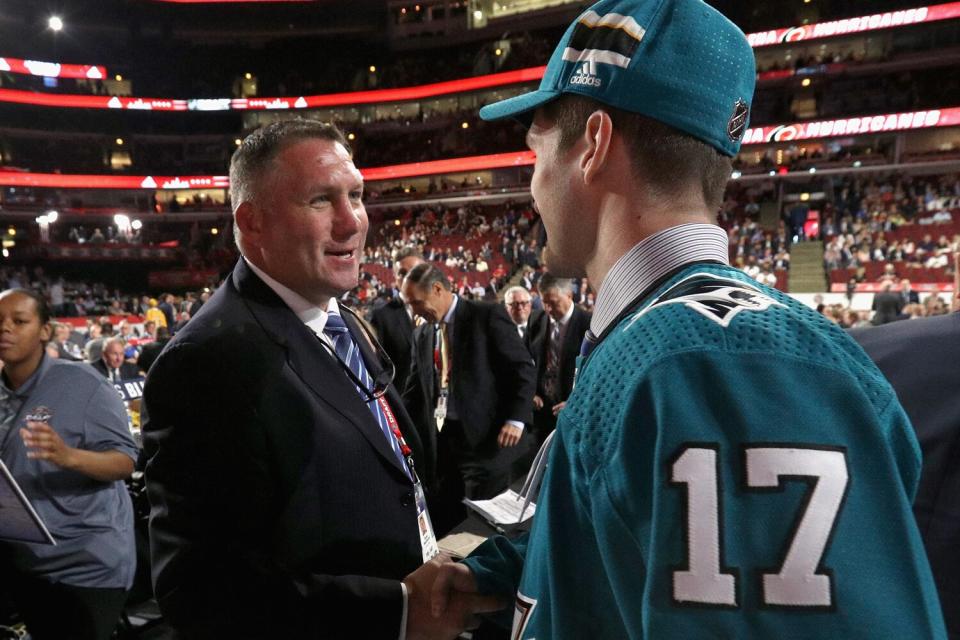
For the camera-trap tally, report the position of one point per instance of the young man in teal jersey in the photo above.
(729, 464)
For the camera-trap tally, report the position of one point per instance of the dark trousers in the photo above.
(463, 471)
(54, 611)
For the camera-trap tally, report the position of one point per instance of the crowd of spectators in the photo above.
(762, 253)
(478, 247)
(899, 220)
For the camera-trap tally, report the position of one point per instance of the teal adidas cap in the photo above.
(680, 62)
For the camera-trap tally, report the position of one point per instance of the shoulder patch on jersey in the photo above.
(716, 297)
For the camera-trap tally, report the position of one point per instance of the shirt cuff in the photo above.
(515, 423)
(403, 618)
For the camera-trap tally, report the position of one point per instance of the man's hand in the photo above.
(509, 435)
(537, 403)
(557, 408)
(43, 443)
(426, 620)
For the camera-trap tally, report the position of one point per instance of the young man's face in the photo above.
(556, 186)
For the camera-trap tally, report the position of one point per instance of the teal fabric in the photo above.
(690, 69)
(610, 528)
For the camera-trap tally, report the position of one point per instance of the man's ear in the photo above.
(249, 219)
(597, 136)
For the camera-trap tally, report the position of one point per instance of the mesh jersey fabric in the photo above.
(611, 529)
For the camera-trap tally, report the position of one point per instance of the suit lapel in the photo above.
(310, 360)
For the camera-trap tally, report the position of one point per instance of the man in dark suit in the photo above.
(907, 294)
(393, 321)
(528, 320)
(887, 305)
(112, 364)
(470, 390)
(283, 499)
(919, 358)
(555, 348)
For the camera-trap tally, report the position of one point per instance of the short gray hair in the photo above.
(514, 290)
(425, 274)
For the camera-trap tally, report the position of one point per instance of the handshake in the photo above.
(442, 600)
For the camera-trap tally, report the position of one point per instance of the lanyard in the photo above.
(405, 449)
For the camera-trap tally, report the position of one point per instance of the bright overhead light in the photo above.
(351, 136)
(813, 169)
(237, 141)
(55, 23)
(373, 69)
(735, 175)
(136, 225)
(214, 231)
(464, 125)
(248, 76)
(119, 142)
(805, 82)
(118, 78)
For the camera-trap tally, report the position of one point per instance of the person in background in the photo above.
(393, 320)
(65, 440)
(112, 364)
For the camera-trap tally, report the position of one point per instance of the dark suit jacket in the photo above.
(395, 330)
(278, 506)
(127, 371)
(888, 305)
(577, 326)
(492, 377)
(535, 326)
(919, 358)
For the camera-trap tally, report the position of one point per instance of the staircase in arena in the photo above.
(806, 267)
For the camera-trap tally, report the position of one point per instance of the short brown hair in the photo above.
(671, 161)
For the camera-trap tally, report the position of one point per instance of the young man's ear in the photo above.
(46, 332)
(597, 135)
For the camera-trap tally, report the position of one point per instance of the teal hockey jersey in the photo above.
(729, 465)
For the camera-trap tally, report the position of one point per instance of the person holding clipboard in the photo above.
(65, 441)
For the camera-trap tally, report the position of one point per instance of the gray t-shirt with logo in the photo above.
(91, 521)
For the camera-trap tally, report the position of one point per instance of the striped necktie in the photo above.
(347, 350)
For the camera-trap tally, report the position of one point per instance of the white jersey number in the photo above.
(797, 583)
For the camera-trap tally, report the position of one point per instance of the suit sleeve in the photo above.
(214, 509)
(517, 370)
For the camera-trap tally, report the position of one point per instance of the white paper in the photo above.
(503, 509)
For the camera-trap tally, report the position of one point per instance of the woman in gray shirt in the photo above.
(65, 439)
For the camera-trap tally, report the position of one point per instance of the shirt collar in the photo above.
(566, 317)
(310, 314)
(651, 259)
(448, 319)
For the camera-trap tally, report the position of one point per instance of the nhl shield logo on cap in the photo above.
(737, 125)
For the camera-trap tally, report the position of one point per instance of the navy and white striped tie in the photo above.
(347, 350)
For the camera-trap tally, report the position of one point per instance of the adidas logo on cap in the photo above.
(586, 75)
